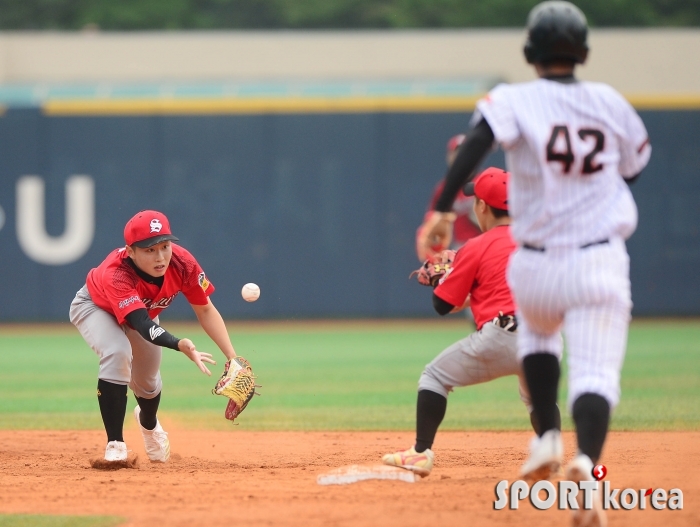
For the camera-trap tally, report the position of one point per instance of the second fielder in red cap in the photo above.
(476, 278)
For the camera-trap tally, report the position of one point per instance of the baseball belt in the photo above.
(584, 246)
(507, 322)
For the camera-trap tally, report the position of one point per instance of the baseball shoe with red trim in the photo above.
(419, 462)
(155, 441)
(546, 455)
(580, 469)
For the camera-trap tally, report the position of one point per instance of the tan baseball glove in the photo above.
(238, 384)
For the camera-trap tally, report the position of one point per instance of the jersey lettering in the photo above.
(589, 166)
(128, 301)
(560, 137)
(161, 304)
(560, 134)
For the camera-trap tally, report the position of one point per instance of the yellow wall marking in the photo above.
(306, 105)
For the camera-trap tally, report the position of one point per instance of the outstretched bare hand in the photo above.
(187, 347)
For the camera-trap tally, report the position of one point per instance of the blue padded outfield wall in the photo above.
(319, 209)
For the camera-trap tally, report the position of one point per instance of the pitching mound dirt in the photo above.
(270, 478)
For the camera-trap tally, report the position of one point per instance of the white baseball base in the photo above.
(355, 473)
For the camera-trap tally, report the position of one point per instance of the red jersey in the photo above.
(479, 269)
(463, 227)
(115, 287)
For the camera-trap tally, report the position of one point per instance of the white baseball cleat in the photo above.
(580, 469)
(546, 455)
(156, 440)
(115, 451)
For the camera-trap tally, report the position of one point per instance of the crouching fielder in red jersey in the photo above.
(477, 278)
(116, 312)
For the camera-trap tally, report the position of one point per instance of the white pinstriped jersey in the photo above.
(567, 146)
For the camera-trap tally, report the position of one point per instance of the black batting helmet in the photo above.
(556, 30)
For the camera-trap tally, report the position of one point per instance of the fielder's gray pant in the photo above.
(487, 354)
(125, 357)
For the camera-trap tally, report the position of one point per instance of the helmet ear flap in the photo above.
(529, 52)
(584, 56)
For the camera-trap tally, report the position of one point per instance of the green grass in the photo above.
(335, 377)
(34, 520)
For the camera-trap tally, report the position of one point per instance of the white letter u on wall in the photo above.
(31, 220)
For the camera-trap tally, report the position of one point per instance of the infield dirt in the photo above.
(269, 478)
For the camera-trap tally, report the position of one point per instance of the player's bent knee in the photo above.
(116, 367)
(431, 382)
(146, 388)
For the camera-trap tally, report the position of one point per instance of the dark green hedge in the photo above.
(324, 14)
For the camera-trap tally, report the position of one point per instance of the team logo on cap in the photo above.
(156, 225)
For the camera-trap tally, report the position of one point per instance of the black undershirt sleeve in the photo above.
(442, 307)
(476, 146)
(141, 322)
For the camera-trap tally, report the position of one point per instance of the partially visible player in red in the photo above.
(465, 226)
(477, 278)
(116, 312)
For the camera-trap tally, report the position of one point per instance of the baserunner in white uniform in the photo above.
(571, 148)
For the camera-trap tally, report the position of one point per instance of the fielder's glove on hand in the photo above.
(238, 384)
(432, 271)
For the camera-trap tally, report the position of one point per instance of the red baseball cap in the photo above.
(148, 228)
(454, 142)
(491, 186)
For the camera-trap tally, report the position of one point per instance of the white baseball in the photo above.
(250, 292)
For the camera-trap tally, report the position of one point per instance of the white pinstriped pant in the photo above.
(585, 291)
